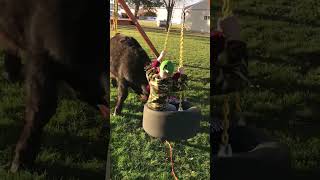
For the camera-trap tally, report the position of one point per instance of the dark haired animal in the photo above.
(60, 40)
(127, 61)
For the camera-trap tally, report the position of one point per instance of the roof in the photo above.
(186, 4)
(194, 4)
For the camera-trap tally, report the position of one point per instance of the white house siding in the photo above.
(198, 17)
(176, 15)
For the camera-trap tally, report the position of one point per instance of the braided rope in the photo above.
(172, 163)
(167, 37)
(115, 16)
(238, 104)
(225, 123)
(181, 53)
(226, 10)
(182, 40)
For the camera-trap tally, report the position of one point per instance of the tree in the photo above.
(144, 3)
(169, 4)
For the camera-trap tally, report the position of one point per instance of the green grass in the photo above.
(134, 154)
(283, 40)
(71, 147)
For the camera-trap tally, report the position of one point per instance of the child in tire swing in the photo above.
(230, 74)
(162, 82)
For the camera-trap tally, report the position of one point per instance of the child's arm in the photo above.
(156, 62)
(162, 54)
(151, 68)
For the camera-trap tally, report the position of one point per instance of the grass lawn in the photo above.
(134, 154)
(283, 40)
(153, 24)
(71, 146)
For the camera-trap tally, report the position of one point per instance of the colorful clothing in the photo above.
(160, 89)
(230, 64)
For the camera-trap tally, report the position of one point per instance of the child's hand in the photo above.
(163, 53)
(161, 56)
(181, 70)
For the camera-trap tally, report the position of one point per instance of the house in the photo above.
(197, 15)
(121, 11)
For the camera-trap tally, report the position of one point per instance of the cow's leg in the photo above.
(114, 82)
(13, 67)
(122, 95)
(41, 103)
(141, 91)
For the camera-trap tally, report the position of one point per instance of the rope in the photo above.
(226, 11)
(115, 16)
(172, 163)
(238, 106)
(167, 37)
(225, 123)
(181, 52)
(182, 39)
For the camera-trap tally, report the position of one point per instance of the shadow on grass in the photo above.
(277, 18)
(9, 134)
(284, 86)
(60, 171)
(137, 107)
(197, 99)
(198, 89)
(203, 148)
(67, 145)
(197, 67)
(204, 129)
(306, 61)
(203, 80)
(306, 174)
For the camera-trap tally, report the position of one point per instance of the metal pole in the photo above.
(138, 26)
